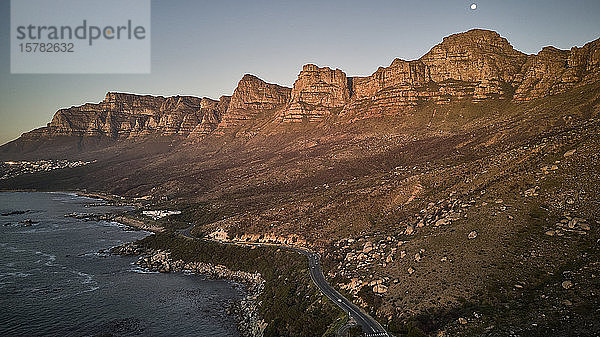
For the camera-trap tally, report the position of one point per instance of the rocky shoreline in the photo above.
(249, 322)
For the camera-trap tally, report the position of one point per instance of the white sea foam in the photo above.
(94, 288)
(18, 274)
(141, 270)
(12, 249)
(87, 278)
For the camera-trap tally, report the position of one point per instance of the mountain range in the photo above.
(474, 66)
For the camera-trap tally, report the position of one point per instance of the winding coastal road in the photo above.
(370, 326)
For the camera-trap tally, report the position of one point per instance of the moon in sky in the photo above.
(473, 6)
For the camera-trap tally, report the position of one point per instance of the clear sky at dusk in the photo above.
(203, 48)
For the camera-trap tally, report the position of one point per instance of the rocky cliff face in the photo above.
(474, 66)
(122, 115)
(317, 92)
(212, 116)
(251, 97)
(401, 85)
(553, 71)
(479, 62)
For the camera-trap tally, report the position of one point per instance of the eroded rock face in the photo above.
(390, 89)
(122, 115)
(317, 92)
(476, 65)
(251, 97)
(479, 61)
(213, 112)
(553, 71)
(473, 66)
(474, 57)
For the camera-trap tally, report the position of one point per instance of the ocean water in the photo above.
(53, 281)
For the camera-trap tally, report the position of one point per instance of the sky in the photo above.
(203, 48)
